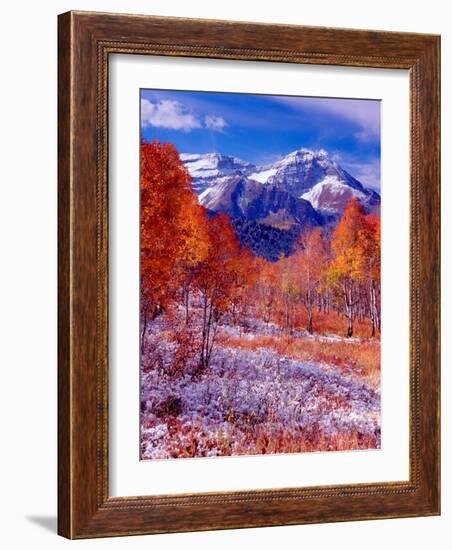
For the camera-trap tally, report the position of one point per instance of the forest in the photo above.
(241, 355)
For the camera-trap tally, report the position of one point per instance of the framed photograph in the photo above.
(248, 275)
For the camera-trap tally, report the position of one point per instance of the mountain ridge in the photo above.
(302, 190)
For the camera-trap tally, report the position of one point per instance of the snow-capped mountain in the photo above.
(331, 196)
(300, 170)
(243, 197)
(304, 174)
(303, 189)
(206, 169)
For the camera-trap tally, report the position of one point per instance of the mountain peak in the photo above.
(213, 158)
(304, 173)
(307, 156)
(271, 205)
(206, 168)
(310, 153)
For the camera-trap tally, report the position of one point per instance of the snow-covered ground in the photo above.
(250, 402)
(256, 327)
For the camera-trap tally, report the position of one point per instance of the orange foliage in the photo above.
(221, 280)
(172, 223)
(356, 263)
(312, 263)
(185, 256)
(328, 278)
(195, 262)
(348, 245)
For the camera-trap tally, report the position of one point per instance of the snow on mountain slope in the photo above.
(271, 205)
(242, 197)
(310, 175)
(231, 194)
(206, 168)
(300, 170)
(331, 195)
(263, 176)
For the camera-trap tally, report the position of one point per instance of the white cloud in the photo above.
(173, 115)
(168, 114)
(215, 123)
(364, 113)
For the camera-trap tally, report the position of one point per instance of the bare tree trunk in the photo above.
(350, 327)
(309, 301)
(158, 310)
(143, 332)
(209, 326)
(378, 315)
(287, 315)
(209, 330)
(204, 333)
(212, 340)
(373, 307)
(267, 310)
(348, 302)
(310, 329)
(187, 304)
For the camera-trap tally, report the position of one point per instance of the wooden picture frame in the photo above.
(86, 40)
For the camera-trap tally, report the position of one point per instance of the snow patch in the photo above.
(263, 176)
(331, 194)
(246, 395)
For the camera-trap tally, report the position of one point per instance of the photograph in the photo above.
(260, 314)
(223, 321)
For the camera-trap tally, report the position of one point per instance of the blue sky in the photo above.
(263, 128)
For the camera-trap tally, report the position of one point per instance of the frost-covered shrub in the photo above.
(249, 402)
